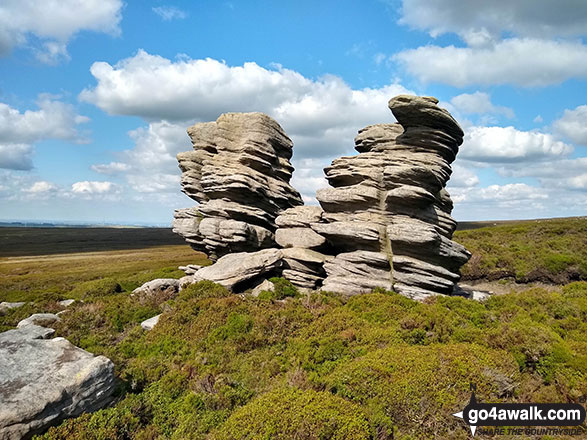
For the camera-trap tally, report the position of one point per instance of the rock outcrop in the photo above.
(238, 172)
(44, 381)
(386, 218)
(383, 223)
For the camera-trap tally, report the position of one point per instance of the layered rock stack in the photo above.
(386, 220)
(238, 172)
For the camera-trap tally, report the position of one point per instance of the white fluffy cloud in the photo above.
(462, 177)
(54, 23)
(573, 125)
(151, 165)
(41, 186)
(507, 144)
(93, 187)
(53, 120)
(156, 88)
(564, 173)
(169, 13)
(111, 168)
(525, 62)
(19, 130)
(479, 103)
(473, 18)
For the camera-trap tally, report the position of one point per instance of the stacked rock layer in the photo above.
(238, 172)
(385, 222)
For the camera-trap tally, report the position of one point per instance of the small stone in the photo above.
(190, 269)
(161, 289)
(6, 306)
(66, 302)
(265, 285)
(41, 319)
(148, 324)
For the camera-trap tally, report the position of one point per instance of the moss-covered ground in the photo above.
(287, 365)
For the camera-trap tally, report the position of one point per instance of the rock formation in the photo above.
(238, 172)
(386, 218)
(384, 222)
(43, 381)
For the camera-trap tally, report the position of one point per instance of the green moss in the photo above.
(294, 414)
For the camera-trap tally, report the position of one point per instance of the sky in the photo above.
(96, 96)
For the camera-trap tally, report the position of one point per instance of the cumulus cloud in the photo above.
(172, 94)
(53, 120)
(535, 18)
(111, 168)
(16, 156)
(573, 125)
(151, 165)
(169, 13)
(156, 88)
(550, 173)
(54, 23)
(93, 187)
(479, 103)
(523, 62)
(19, 130)
(507, 144)
(462, 177)
(41, 186)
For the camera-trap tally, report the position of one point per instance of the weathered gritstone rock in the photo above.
(44, 381)
(241, 270)
(386, 217)
(238, 172)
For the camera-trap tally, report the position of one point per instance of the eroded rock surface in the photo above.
(384, 222)
(238, 172)
(386, 217)
(44, 381)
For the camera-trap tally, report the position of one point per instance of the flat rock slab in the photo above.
(234, 269)
(44, 381)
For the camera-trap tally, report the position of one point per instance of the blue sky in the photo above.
(95, 95)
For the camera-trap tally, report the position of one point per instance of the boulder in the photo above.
(44, 381)
(239, 270)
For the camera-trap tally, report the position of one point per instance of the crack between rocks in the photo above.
(384, 241)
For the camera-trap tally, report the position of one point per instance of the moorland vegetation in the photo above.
(287, 365)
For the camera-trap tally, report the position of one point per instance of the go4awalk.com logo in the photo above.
(515, 415)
